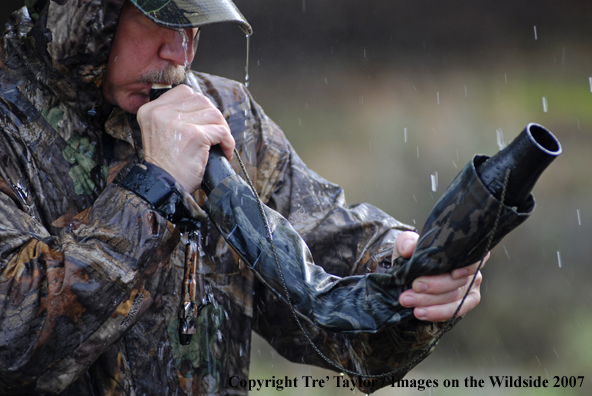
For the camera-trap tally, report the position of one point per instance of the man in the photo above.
(91, 273)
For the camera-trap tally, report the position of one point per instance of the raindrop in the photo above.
(506, 77)
(417, 152)
(559, 258)
(563, 57)
(434, 178)
(247, 61)
(364, 52)
(556, 354)
(405, 134)
(537, 358)
(454, 163)
(506, 250)
(326, 81)
(438, 97)
(465, 91)
(535, 33)
(370, 145)
(579, 220)
(185, 39)
(303, 5)
(500, 138)
(590, 82)
(545, 105)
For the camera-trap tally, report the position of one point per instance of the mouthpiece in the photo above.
(158, 89)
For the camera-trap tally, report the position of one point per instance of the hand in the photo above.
(437, 297)
(178, 130)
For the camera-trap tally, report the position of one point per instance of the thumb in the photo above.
(405, 244)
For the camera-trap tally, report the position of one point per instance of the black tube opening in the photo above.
(544, 139)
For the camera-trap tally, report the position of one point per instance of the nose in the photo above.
(177, 46)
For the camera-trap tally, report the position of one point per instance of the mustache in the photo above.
(173, 75)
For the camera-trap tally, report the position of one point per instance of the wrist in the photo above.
(159, 189)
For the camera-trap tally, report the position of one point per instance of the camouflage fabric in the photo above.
(90, 275)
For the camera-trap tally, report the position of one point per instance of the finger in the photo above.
(202, 117)
(469, 270)
(405, 244)
(181, 92)
(181, 99)
(438, 284)
(443, 312)
(221, 135)
(412, 299)
(419, 300)
(205, 136)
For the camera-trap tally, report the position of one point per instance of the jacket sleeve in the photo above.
(344, 240)
(65, 298)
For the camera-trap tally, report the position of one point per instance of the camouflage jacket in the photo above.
(90, 274)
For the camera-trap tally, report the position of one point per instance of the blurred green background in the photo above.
(379, 96)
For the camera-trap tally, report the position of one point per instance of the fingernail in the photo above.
(408, 301)
(420, 287)
(420, 313)
(408, 246)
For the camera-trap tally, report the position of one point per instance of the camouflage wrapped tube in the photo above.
(349, 304)
(465, 223)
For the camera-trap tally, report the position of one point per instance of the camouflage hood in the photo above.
(66, 45)
(67, 42)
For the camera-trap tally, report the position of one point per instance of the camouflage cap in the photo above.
(192, 13)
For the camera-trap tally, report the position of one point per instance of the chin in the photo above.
(133, 104)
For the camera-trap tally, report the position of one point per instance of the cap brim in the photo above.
(184, 14)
